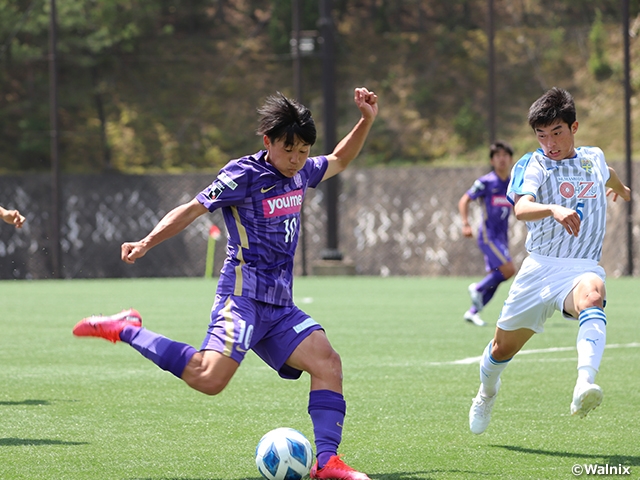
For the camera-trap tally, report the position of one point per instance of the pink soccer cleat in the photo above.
(108, 328)
(336, 469)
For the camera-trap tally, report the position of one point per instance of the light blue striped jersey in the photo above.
(577, 183)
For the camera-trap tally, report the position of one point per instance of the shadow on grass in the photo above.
(25, 402)
(626, 460)
(193, 478)
(425, 475)
(422, 475)
(18, 442)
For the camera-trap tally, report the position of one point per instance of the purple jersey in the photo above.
(493, 191)
(261, 210)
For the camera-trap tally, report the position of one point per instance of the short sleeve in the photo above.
(229, 187)
(316, 167)
(526, 177)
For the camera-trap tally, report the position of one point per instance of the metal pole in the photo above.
(55, 164)
(332, 185)
(297, 87)
(297, 58)
(627, 131)
(492, 68)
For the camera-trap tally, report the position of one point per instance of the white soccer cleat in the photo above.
(480, 413)
(476, 297)
(586, 397)
(474, 318)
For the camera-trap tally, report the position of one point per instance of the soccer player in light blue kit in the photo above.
(560, 192)
(260, 196)
(493, 238)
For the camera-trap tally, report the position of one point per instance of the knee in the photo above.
(334, 363)
(593, 299)
(210, 387)
(590, 292)
(508, 270)
(329, 366)
(501, 352)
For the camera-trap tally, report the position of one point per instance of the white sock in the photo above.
(592, 337)
(490, 371)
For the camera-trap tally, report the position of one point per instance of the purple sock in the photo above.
(327, 410)
(164, 352)
(489, 284)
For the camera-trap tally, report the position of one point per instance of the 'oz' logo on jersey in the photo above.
(568, 190)
(282, 204)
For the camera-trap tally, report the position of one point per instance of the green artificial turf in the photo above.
(82, 408)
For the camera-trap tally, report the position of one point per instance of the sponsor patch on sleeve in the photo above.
(227, 180)
(216, 189)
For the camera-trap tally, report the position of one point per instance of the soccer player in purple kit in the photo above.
(493, 231)
(260, 196)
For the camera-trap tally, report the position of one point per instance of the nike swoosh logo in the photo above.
(265, 190)
(240, 349)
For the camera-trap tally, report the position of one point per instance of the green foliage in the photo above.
(469, 126)
(174, 85)
(598, 64)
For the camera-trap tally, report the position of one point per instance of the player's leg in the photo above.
(126, 326)
(499, 266)
(495, 358)
(522, 315)
(208, 370)
(327, 406)
(586, 303)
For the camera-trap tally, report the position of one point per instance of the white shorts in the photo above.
(540, 288)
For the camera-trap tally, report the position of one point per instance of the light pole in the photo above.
(627, 131)
(332, 185)
(492, 70)
(55, 164)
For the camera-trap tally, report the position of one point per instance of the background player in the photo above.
(560, 192)
(260, 196)
(12, 217)
(493, 231)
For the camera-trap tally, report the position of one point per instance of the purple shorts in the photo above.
(240, 324)
(495, 250)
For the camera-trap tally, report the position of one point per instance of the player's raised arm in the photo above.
(350, 146)
(173, 223)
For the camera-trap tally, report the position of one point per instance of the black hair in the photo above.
(283, 118)
(497, 146)
(556, 104)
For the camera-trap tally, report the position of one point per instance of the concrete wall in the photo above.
(392, 221)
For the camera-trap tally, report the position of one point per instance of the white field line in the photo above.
(472, 360)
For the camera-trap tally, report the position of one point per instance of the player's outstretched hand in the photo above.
(13, 217)
(131, 251)
(367, 102)
(625, 193)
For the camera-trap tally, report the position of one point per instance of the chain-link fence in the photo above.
(392, 221)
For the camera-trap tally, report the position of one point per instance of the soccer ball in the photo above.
(284, 454)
